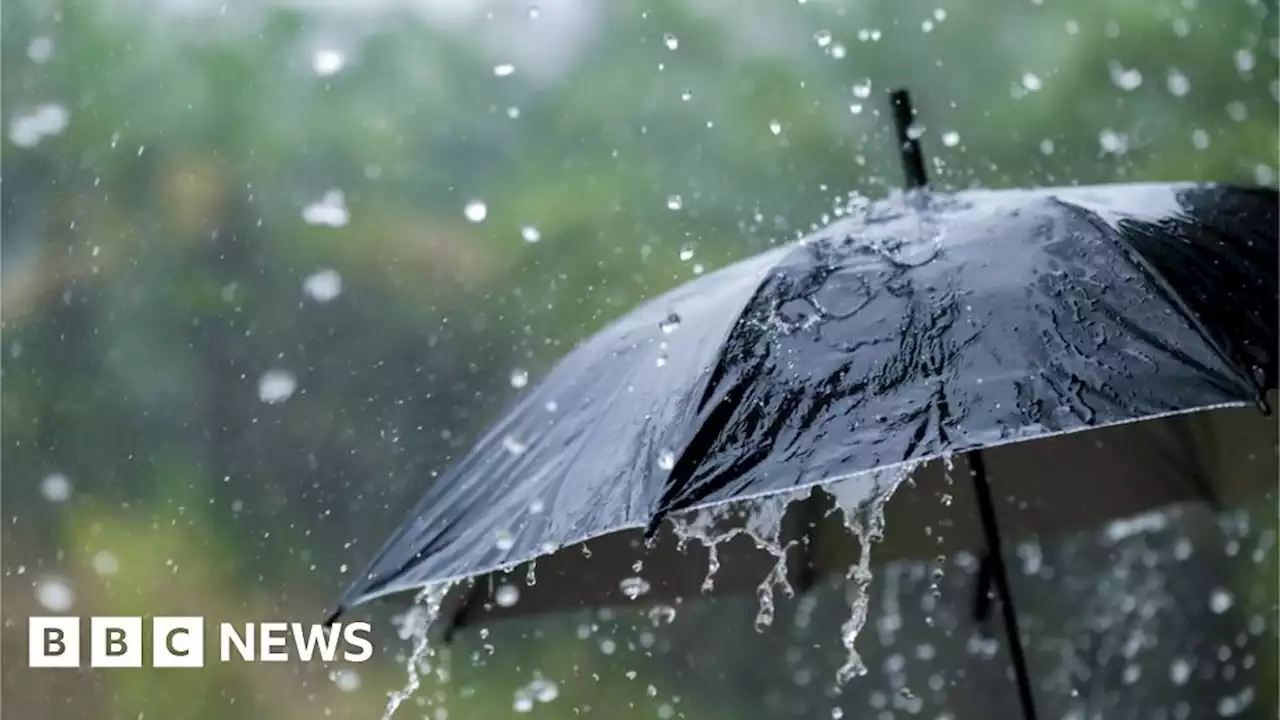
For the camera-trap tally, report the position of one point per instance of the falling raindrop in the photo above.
(475, 211)
(276, 386)
(105, 563)
(46, 120)
(686, 253)
(674, 202)
(634, 587)
(670, 324)
(775, 127)
(328, 62)
(951, 138)
(1221, 600)
(54, 595)
(504, 69)
(671, 41)
(330, 210)
(519, 378)
(506, 595)
(55, 487)
(530, 234)
(323, 285)
(1031, 82)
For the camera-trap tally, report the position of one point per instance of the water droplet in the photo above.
(686, 95)
(1031, 82)
(323, 285)
(504, 69)
(530, 234)
(506, 595)
(346, 679)
(1177, 83)
(519, 378)
(686, 253)
(634, 587)
(55, 487)
(670, 324)
(276, 386)
(662, 614)
(514, 445)
(329, 211)
(48, 119)
(327, 62)
(503, 540)
(475, 211)
(106, 563)
(822, 37)
(951, 138)
(40, 49)
(666, 459)
(671, 41)
(775, 127)
(674, 202)
(55, 595)
(1112, 142)
(1221, 600)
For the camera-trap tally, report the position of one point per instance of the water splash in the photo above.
(417, 625)
(863, 515)
(760, 520)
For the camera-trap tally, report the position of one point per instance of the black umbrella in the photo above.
(913, 331)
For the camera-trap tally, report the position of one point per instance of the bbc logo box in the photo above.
(115, 642)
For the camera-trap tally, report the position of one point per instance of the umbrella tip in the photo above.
(908, 139)
(334, 616)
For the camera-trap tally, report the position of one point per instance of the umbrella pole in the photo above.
(995, 561)
(916, 179)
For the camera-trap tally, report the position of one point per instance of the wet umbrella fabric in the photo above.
(899, 334)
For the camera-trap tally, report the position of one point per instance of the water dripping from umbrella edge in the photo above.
(421, 660)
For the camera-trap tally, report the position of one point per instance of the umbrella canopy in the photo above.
(997, 325)
(899, 334)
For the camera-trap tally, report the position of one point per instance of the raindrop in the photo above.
(503, 540)
(323, 285)
(475, 211)
(55, 487)
(48, 119)
(670, 324)
(1112, 142)
(54, 595)
(327, 62)
(346, 680)
(330, 210)
(775, 127)
(1221, 600)
(951, 138)
(862, 90)
(1127, 79)
(514, 445)
(674, 202)
(822, 37)
(662, 614)
(276, 386)
(506, 595)
(666, 460)
(504, 69)
(634, 587)
(40, 49)
(530, 234)
(106, 563)
(1244, 61)
(671, 41)
(686, 253)
(519, 378)
(1177, 83)
(1031, 82)
(686, 95)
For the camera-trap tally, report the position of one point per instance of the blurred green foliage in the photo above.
(155, 254)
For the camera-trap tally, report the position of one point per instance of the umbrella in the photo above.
(977, 334)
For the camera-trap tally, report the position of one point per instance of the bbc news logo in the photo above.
(179, 642)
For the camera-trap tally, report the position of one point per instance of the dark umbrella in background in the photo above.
(992, 327)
